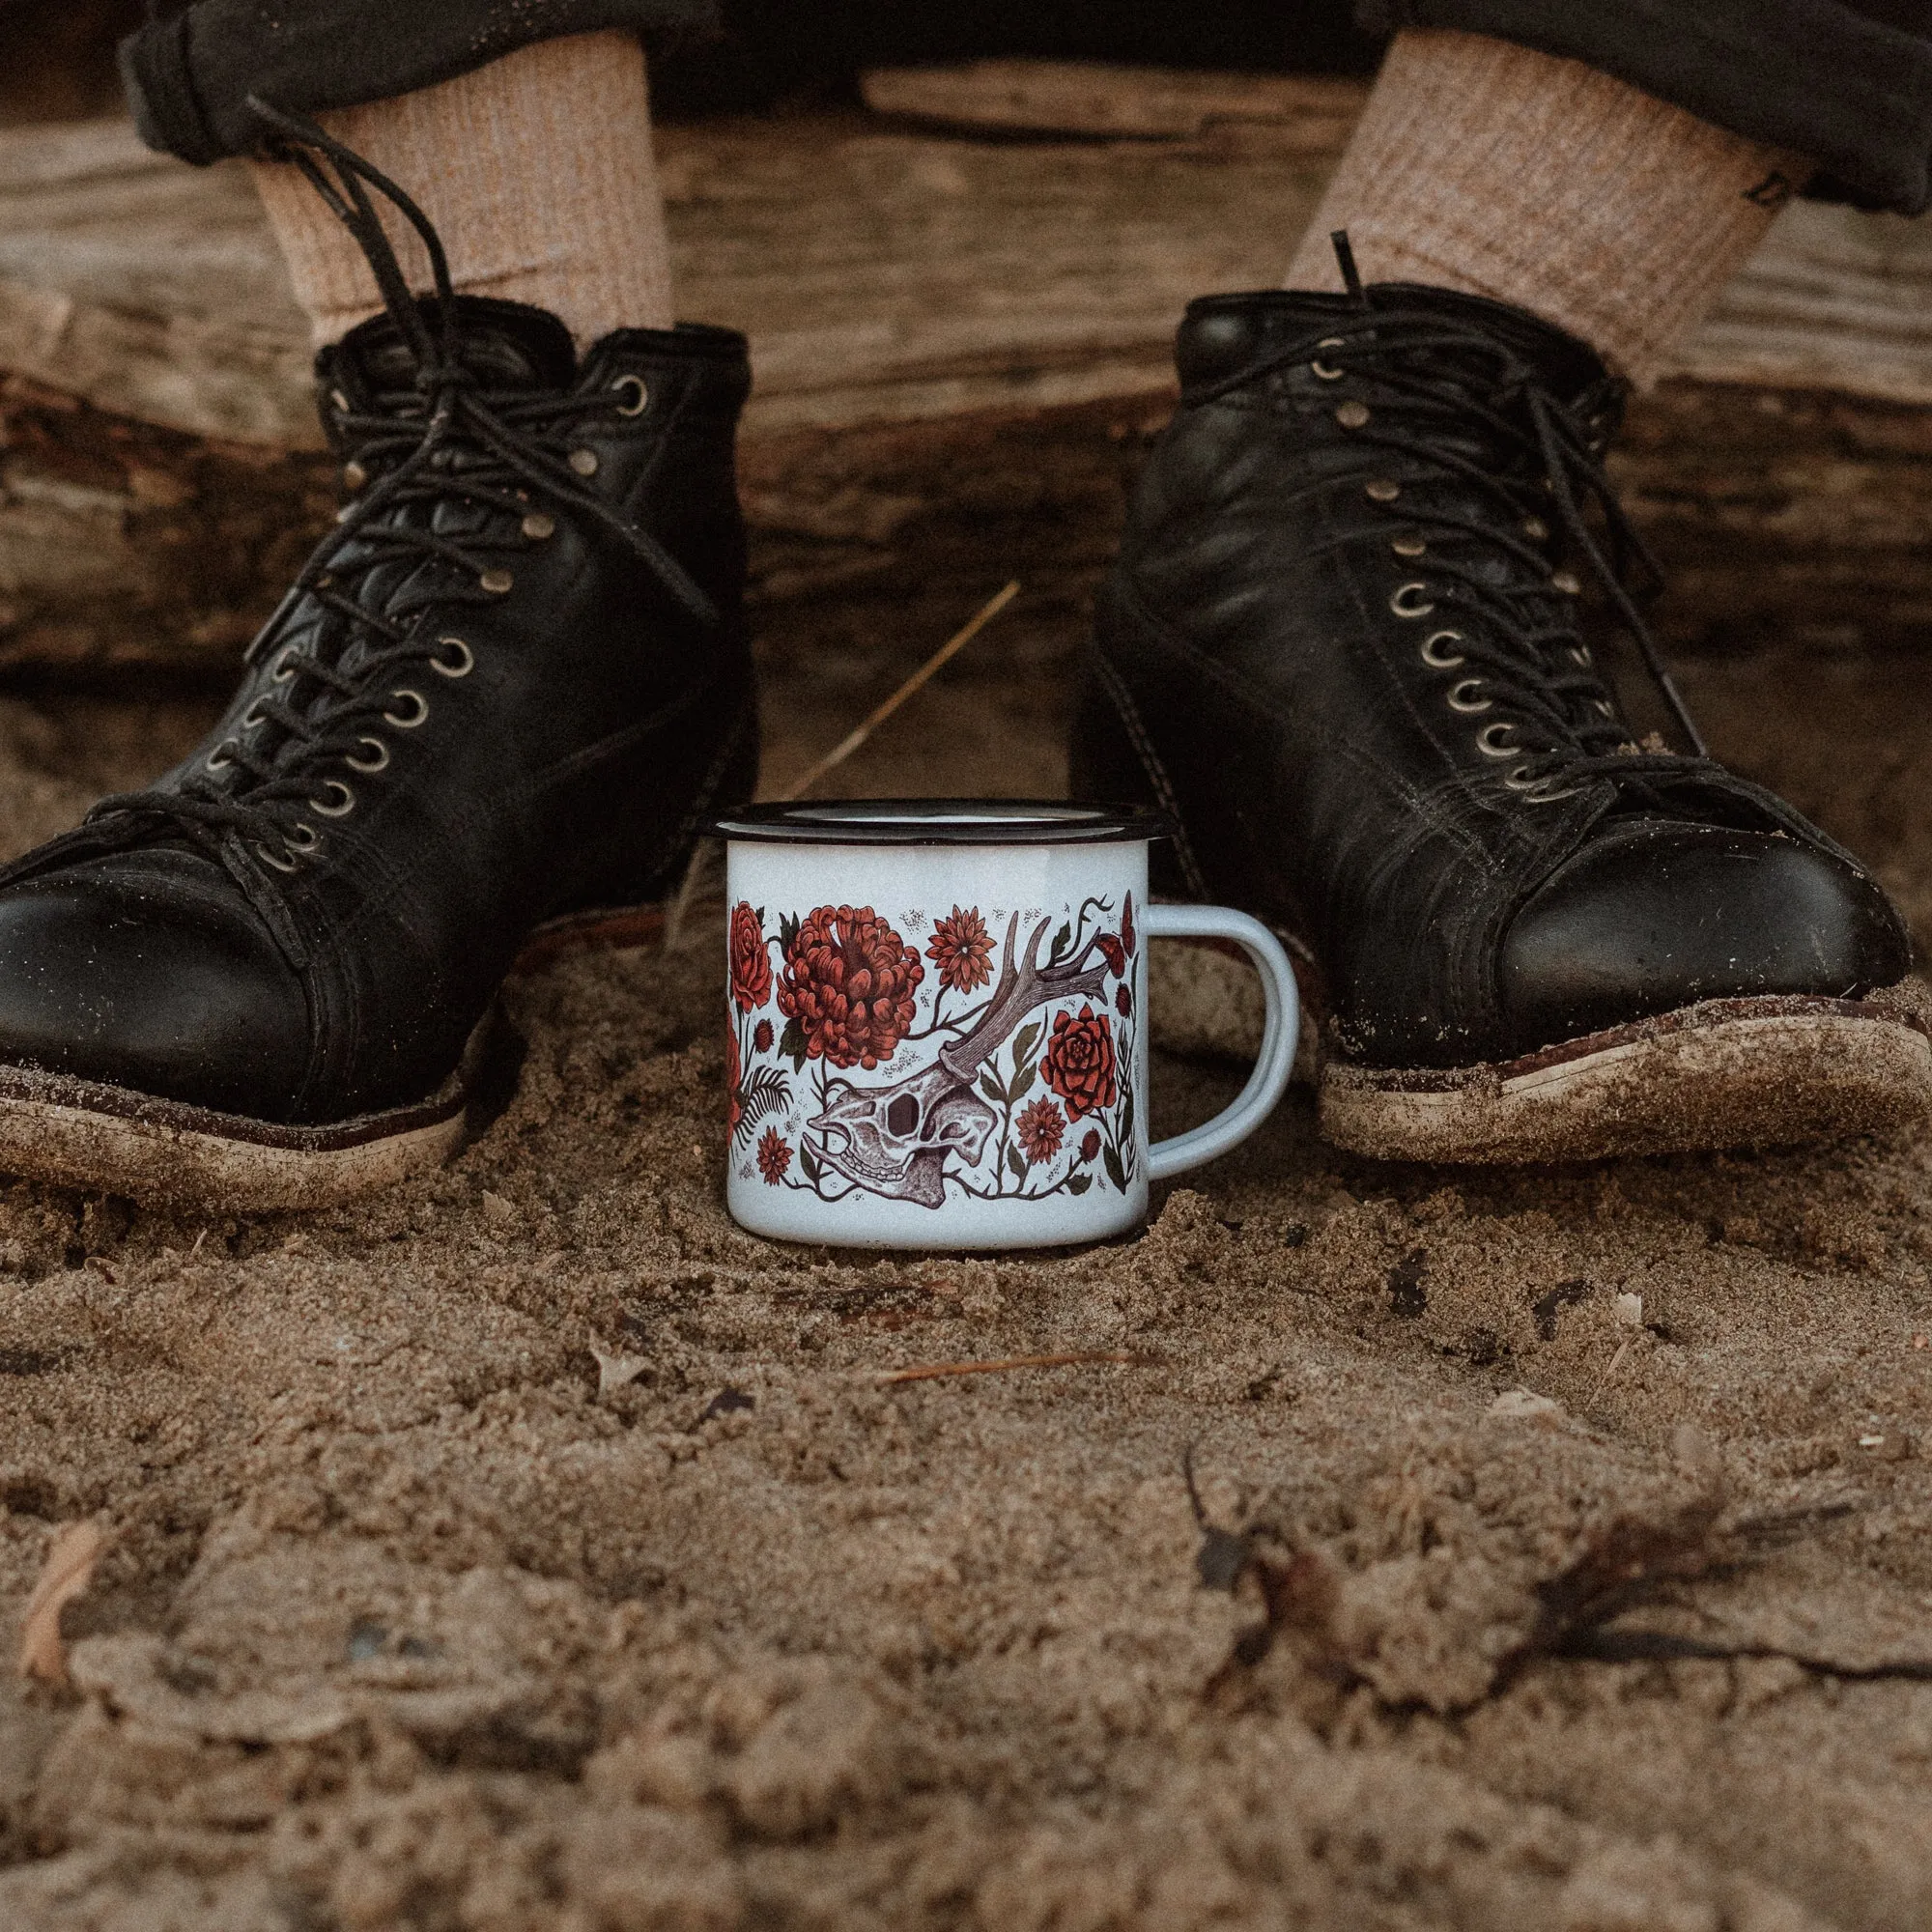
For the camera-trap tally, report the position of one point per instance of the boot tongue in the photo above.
(503, 345)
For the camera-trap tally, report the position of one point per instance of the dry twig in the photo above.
(932, 1371)
(67, 1572)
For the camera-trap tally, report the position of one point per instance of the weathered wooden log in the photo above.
(960, 344)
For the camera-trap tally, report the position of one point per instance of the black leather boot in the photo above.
(1346, 646)
(502, 693)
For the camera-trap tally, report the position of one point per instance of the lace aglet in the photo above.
(1344, 260)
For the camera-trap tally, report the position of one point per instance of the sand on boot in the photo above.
(528, 1548)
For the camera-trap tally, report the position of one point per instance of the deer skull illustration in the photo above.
(893, 1139)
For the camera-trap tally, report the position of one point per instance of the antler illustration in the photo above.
(1019, 990)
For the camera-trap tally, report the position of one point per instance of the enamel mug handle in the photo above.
(1269, 1080)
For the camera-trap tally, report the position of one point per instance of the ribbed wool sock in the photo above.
(1486, 167)
(538, 173)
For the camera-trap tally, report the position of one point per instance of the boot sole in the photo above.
(1727, 1073)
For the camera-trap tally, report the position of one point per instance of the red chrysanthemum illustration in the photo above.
(1039, 1128)
(1089, 1148)
(1127, 926)
(774, 1156)
(1123, 1001)
(1079, 1062)
(750, 964)
(850, 983)
(761, 1037)
(733, 1081)
(961, 951)
(1116, 954)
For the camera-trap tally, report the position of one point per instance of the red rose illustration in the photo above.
(961, 951)
(1116, 954)
(1039, 1128)
(734, 1080)
(1079, 1062)
(761, 1037)
(750, 965)
(1127, 926)
(1123, 1000)
(774, 1156)
(850, 983)
(1089, 1148)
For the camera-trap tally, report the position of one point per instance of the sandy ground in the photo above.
(534, 1550)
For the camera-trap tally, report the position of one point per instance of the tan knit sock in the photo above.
(1486, 167)
(538, 173)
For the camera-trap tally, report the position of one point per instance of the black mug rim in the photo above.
(940, 821)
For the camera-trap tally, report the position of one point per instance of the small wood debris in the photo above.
(496, 1209)
(615, 1372)
(65, 1576)
(1630, 1311)
(1521, 1405)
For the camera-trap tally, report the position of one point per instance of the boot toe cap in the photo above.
(162, 985)
(1663, 915)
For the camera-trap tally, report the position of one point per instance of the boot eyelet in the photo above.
(583, 461)
(1567, 581)
(1523, 779)
(1438, 658)
(1579, 654)
(339, 401)
(1411, 600)
(1536, 530)
(341, 810)
(1543, 795)
(1323, 370)
(498, 581)
(221, 757)
(1603, 705)
(1462, 697)
(1488, 741)
(353, 475)
(538, 527)
(638, 388)
(418, 716)
(463, 660)
(1381, 490)
(267, 858)
(251, 718)
(285, 665)
(305, 839)
(1353, 414)
(1410, 547)
(377, 759)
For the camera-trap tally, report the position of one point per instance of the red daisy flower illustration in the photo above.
(1079, 1062)
(1089, 1148)
(774, 1156)
(1116, 954)
(1123, 1001)
(1039, 1128)
(750, 964)
(761, 1037)
(850, 983)
(961, 951)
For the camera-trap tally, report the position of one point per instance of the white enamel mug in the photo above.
(937, 1014)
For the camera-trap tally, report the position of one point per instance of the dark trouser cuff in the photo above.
(1824, 77)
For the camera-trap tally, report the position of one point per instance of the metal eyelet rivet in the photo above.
(1523, 779)
(537, 526)
(1543, 795)
(1579, 654)
(1411, 600)
(1438, 658)
(1382, 491)
(377, 759)
(221, 757)
(251, 718)
(1536, 530)
(354, 476)
(1327, 371)
(1567, 581)
(1353, 414)
(305, 839)
(285, 666)
(1463, 698)
(338, 402)
(1604, 706)
(635, 384)
(1410, 547)
(462, 660)
(419, 715)
(583, 461)
(498, 582)
(267, 858)
(1488, 742)
(342, 810)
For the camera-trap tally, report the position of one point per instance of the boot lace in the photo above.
(1454, 405)
(364, 671)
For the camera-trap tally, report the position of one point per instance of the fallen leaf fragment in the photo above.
(66, 1572)
(1522, 1405)
(615, 1372)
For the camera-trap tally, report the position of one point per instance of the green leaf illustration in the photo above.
(1062, 940)
(787, 929)
(1023, 1041)
(809, 1162)
(1023, 1081)
(1127, 1116)
(1079, 1183)
(991, 1087)
(1115, 1173)
(791, 1045)
(1014, 1162)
